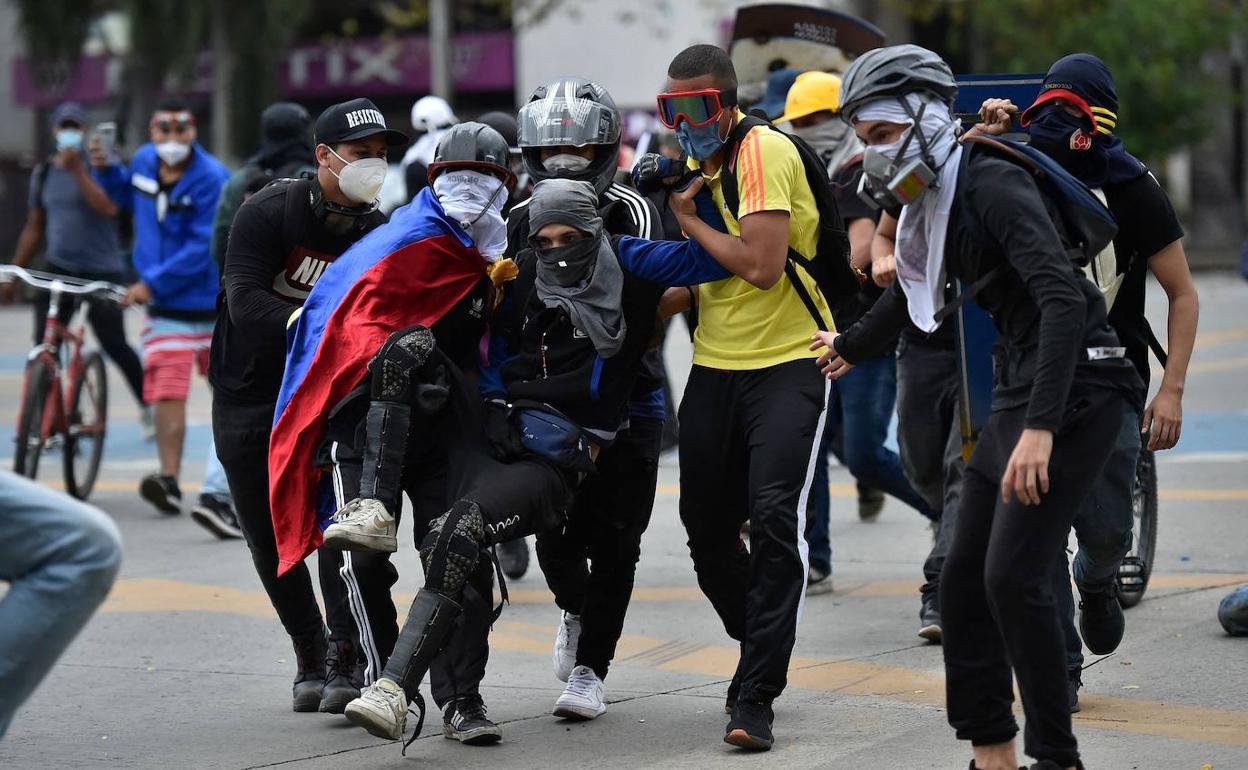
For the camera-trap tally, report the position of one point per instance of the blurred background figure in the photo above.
(431, 116)
(60, 558)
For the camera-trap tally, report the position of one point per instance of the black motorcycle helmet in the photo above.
(472, 146)
(571, 112)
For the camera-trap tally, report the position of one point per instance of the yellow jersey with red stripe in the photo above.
(741, 326)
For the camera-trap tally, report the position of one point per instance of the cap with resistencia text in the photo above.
(356, 119)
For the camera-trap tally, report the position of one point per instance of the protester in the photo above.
(592, 304)
(281, 242)
(753, 412)
(570, 129)
(75, 202)
(1058, 396)
(431, 117)
(860, 406)
(284, 153)
(1074, 121)
(59, 558)
(176, 185)
(357, 400)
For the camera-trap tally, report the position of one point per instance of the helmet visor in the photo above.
(559, 122)
(697, 108)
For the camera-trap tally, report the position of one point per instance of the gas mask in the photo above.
(566, 161)
(889, 181)
(173, 152)
(361, 180)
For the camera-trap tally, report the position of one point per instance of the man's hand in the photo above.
(70, 160)
(8, 292)
(138, 294)
(830, 362)
(652, 172)
(884, 271)
(682, 203)
(1027, 473)
(997, 115)
(1163, 420)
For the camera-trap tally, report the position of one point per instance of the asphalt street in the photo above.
(185, 666)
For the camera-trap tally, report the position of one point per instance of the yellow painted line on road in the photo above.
(1222, 336)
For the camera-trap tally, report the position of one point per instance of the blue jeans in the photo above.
(861, 407)
(59, 557)
(215, 484)
(1103, 527)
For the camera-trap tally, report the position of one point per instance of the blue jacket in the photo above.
(173, 255)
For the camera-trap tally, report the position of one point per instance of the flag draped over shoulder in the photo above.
(410, 271)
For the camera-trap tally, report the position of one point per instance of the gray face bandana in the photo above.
(583, 278)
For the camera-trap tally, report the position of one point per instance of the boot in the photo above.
(342, 676)
(382, 707)
(309, 685)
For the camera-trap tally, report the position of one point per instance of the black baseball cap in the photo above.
(353, 120)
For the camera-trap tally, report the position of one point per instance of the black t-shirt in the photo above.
(1146, 225)
(270, 266)
(851, 208)
(1040, 359)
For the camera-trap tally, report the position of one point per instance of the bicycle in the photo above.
(64, 389)
(1137, 566)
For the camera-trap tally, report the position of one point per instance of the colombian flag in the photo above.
(410, 271)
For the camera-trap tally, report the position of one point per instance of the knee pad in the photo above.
(451, 549)
(392, 368)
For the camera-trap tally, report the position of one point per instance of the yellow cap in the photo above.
(812, 92)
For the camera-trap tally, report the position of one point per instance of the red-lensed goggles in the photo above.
(697, 108)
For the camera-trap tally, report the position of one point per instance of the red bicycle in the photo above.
(64, 389)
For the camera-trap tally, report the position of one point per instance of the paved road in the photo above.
(185, 666)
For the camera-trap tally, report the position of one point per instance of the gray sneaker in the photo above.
(364, 525)
(818, 582)
(929, 623)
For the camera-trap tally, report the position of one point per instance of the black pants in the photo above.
(106, 321)
(747, 446)
(242, 436)
(930, 443)
(610, 513)
(1000, 619)
(370, 576)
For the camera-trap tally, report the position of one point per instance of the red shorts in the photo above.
(172, 350)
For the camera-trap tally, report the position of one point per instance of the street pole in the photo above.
(440, 49)
(223, 75)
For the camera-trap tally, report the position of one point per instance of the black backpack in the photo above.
(830, 267)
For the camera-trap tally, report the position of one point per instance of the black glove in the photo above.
(501, 436)
(653, 172)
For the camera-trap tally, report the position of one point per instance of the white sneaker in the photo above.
(567, 638)
(381, 709)
(363, 524)
(818, 582)
(584, 697)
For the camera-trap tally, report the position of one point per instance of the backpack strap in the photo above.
(298, 192)
(41, 180)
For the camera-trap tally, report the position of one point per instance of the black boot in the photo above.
(310, 678)
(342, 676)
(382, 476)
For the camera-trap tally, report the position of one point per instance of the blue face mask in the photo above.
(68, 139)
(699, 143)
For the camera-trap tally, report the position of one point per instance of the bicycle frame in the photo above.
(55, 336)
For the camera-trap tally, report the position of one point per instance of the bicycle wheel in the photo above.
(88, 416)
(36, 389)
(1137, 567)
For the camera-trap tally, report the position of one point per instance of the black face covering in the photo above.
(1106, 161)
(569, 265)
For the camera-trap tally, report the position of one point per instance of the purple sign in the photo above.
(481, 61)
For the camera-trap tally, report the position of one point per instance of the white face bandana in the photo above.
(475, 201)
(921, 230)
(361, 180)
(173, 152)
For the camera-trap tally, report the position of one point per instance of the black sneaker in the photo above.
(342, 676)
(1101, 623)
(309, 683)
(929, 622)
(464, 720)
(162, 492)
(750, 726)
(1074, 680)
(870, 502)
(513, 557)
(216, 516)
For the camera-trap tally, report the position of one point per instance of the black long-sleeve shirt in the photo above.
(276, 253)
(1046, 313)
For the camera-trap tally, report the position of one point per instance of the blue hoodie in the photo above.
(173, 255)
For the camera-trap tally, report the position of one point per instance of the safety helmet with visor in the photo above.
(571, 112)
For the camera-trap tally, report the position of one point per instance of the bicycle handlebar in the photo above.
(62, 283)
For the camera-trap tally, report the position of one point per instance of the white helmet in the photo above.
(430, 112)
